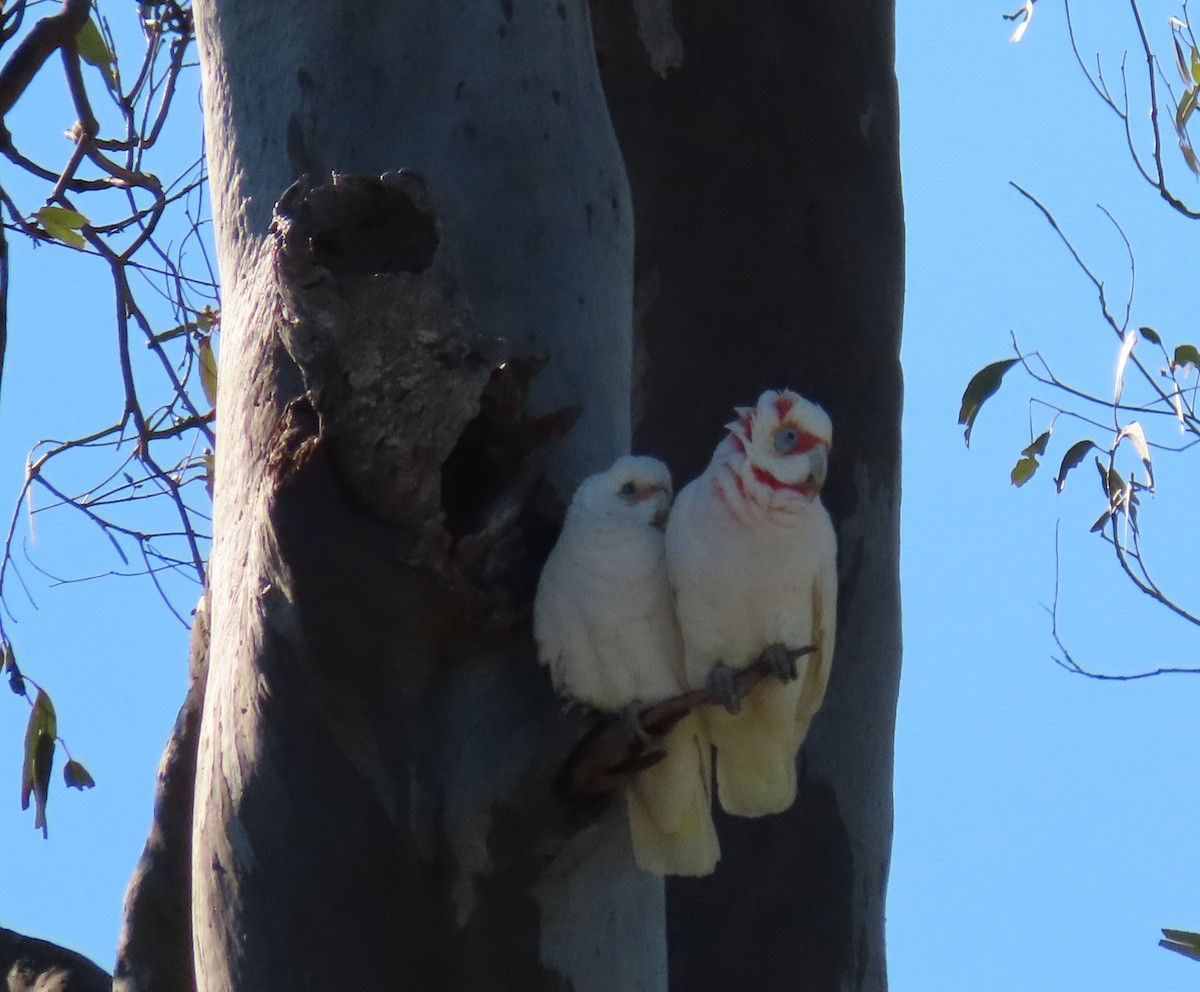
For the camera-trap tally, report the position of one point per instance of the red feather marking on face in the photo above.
(768, 480)
(783, 405)
(806, 442)
(738, 443)
(747, 422)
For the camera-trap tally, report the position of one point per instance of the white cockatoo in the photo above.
(604, 622)
(752, 558)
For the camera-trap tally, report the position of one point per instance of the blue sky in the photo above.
(1045, 824)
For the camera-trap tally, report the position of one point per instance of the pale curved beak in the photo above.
(662, 501)
(820, 466)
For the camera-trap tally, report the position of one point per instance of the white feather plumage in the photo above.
(751, 554)
(604, 622)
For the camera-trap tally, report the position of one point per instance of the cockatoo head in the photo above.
(635, 487)
(785, 440)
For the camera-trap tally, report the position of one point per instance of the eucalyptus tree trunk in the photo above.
(376, 803)
(762, 146)
(379, 790)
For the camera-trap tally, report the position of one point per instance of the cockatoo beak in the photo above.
(662, 499)
(820, 466)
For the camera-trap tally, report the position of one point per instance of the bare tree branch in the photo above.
(43, 40)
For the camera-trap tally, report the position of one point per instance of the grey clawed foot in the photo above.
(722, 680)
(633, 720)
(781, 660)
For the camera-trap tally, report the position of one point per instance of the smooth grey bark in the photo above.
(762, 149)
(373, 797)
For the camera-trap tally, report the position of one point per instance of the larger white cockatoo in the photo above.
(752, 557)
(604, 622)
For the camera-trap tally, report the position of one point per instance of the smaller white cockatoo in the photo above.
(752, 557)
(604, 622)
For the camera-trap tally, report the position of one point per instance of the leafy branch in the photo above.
(1162, 387)
(108, 199)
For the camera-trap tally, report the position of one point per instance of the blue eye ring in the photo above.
(785, 440)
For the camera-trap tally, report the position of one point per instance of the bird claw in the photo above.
(723, 681)
(781, 660)
(633, 720)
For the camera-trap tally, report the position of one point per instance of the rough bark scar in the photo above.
(293, 441)
(422, 415)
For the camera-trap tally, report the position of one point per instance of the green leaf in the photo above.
(1038, 447)
(1189, 156)
(1127, 344)
(1196, 65)
(204, 321)
(178, 331)
(1177, 405)
(76, 776)
(1187, 104)
(1150, 334)
(63, 225)
(1182, 942)
(1102, 521)
(1137, 435)
(1111, 479)
(1023, 471)
(1186, 354)
(40, 733)
(1180, 61)
(208, 370)
(983, 384)
(1071, 460)
(94, 50)
(8, 663)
